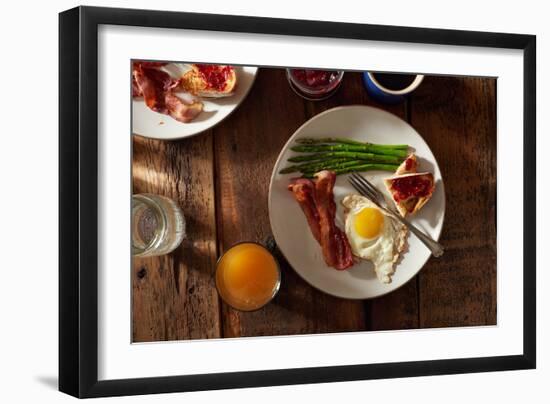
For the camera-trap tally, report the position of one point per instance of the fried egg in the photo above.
(373, 235)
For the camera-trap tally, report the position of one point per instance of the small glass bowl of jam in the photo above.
(314, 85)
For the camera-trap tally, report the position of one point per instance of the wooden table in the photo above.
(220, 179)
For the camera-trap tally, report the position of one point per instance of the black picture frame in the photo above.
(78, 193)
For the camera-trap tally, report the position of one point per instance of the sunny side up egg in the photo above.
(373, 235)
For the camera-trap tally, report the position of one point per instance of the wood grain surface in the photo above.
(245, 156)
(174, 296)
(459, 124)
(220, 179)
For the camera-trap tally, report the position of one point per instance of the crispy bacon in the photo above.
(334, 243)
(317, 202)
(156, 87)
(304, 193)
(149, 69)
(136, 91)
(152, 87)
(151, 64)
(181, 111)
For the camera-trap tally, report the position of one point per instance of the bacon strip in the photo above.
(152, 84)
(334, 243)
(152, 64)
(156, 87)
(180, 110)
(136, 91)
(304, 193)
(317, 202)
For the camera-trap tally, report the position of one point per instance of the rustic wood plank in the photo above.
(399, 309)
(457, 117)
(246, 147)
(174, 296)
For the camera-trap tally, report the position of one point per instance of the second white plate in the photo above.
(148, 123)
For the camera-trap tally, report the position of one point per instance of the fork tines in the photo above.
(362, 188)
(369, 185)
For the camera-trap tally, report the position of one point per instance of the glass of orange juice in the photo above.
(247, 276)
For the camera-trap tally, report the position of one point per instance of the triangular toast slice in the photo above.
(410, 191)
(408, 166)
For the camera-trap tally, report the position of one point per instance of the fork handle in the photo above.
(433, 246)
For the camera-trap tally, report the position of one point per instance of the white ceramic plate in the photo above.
(148, 123)
(292, 232)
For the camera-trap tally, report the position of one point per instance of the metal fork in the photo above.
(367, 189)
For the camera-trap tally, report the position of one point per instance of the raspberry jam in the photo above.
(315, 78)
(409, 164)
(314, 84)
(215, 75)
(406, 187)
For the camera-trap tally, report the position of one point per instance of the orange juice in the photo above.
(247, 276)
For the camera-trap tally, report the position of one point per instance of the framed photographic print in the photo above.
(252, 202)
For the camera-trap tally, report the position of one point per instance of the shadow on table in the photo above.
(48, 381)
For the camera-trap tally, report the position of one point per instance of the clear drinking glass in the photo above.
(158, 225)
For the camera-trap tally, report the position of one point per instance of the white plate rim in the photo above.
(269, 201)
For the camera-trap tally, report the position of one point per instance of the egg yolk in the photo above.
(369, 222)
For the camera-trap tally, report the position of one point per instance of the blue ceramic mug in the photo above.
(386, 95)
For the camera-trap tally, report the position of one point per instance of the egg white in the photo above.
(384, 249)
